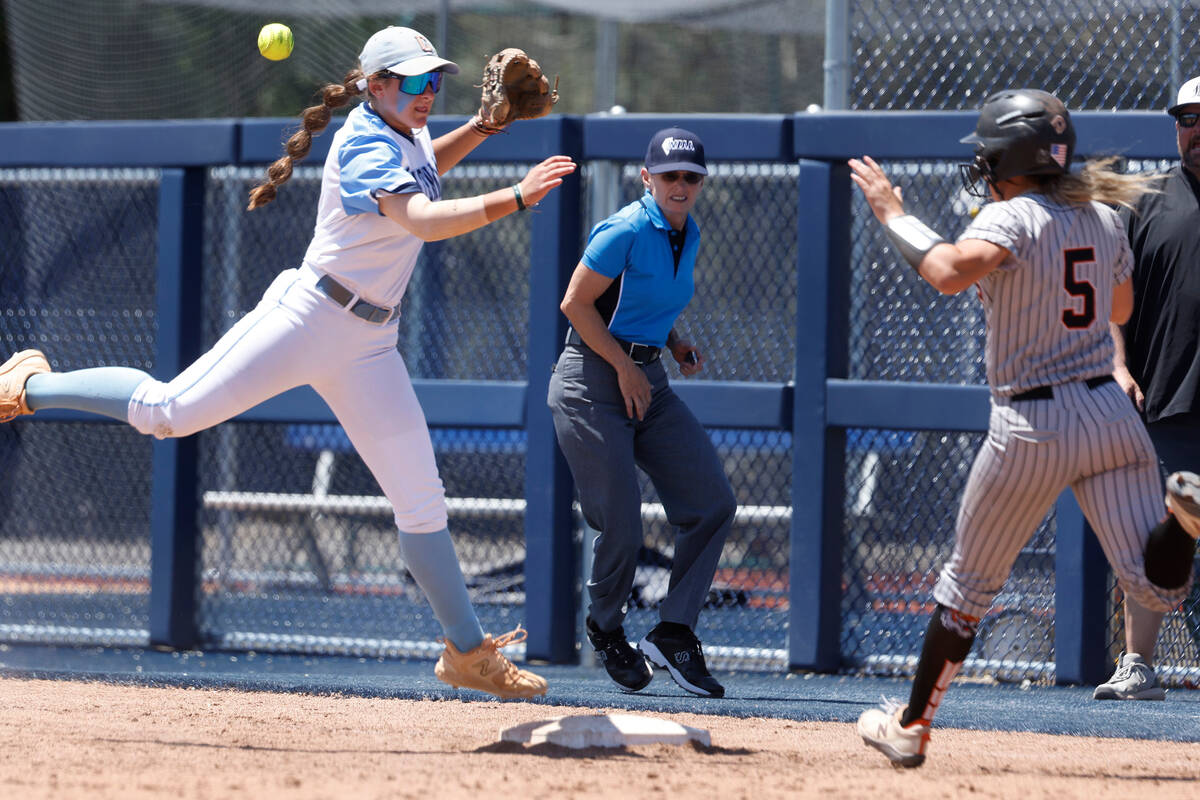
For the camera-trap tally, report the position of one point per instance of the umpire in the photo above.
(614, 408)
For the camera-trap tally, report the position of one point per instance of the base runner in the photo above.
(1052, 266)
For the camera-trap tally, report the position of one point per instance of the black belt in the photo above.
(642, 354)
(362, 309)
(1047, 392)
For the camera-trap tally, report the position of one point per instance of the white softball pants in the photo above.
(1091, 440)
(298, 336)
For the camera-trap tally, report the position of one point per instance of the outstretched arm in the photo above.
(947, 267)
(434, 220)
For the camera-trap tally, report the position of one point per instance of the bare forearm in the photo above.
(451, 148)
(1118, 337)
(434, 220)
(1129, 384)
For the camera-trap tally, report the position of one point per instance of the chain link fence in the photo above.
(299, 548)
(77, 279)
(77, 272)
(328, 576)
(299, 552)
(149, 59)
(741, 317)
(165, 59)
(1115, 54)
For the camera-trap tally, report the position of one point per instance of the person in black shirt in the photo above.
(1159, 362)
(1157, 358)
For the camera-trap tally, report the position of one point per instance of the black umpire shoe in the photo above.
(626, 666)
(676, 649)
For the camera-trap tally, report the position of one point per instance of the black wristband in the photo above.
(520, 199)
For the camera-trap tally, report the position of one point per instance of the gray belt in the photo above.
(362, 309)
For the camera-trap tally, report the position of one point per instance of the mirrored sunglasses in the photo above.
(415, 84)
(691, 177)
(1187, 120)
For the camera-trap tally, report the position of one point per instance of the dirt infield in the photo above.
(65, 739)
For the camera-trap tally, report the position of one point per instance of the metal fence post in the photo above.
(173, 486)
(1080, 589)
(818, 452)
(837, 58)
(550, 557)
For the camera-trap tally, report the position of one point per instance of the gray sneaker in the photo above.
(1133, 680)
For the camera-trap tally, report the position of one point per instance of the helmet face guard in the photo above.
(976, 178)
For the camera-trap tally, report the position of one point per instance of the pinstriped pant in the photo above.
(1091, 440)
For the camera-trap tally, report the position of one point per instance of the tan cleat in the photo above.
(13, 374)
(1183, 500)
(486, 669)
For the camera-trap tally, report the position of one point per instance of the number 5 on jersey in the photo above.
(1078, 288)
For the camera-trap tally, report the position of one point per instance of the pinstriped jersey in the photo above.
(1047, 305)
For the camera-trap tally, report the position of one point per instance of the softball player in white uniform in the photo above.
(1052, 266)
(332, 323)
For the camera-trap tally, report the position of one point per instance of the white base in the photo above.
(604, 730)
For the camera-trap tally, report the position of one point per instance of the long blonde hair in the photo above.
(313, 121)
(1099, 181)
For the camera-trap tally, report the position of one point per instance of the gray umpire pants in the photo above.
(602, 445)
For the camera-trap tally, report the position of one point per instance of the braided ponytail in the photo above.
(313, 121)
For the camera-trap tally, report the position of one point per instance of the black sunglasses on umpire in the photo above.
(691, 177)
(1187, 120)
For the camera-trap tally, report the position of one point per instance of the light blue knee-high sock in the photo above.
(431, 559)
(100, 390)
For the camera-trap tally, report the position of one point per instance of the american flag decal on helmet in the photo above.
(1059, 153)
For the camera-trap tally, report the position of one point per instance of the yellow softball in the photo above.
(275, 41)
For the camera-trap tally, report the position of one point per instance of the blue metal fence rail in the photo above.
(816, 407)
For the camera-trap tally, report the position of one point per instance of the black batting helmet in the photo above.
(1020, 132)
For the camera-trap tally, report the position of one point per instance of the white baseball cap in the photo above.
(402, 51)
(1189, 94)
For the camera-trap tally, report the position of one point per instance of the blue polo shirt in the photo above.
(650, 287)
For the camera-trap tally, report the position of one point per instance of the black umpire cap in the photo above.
(675, 149)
